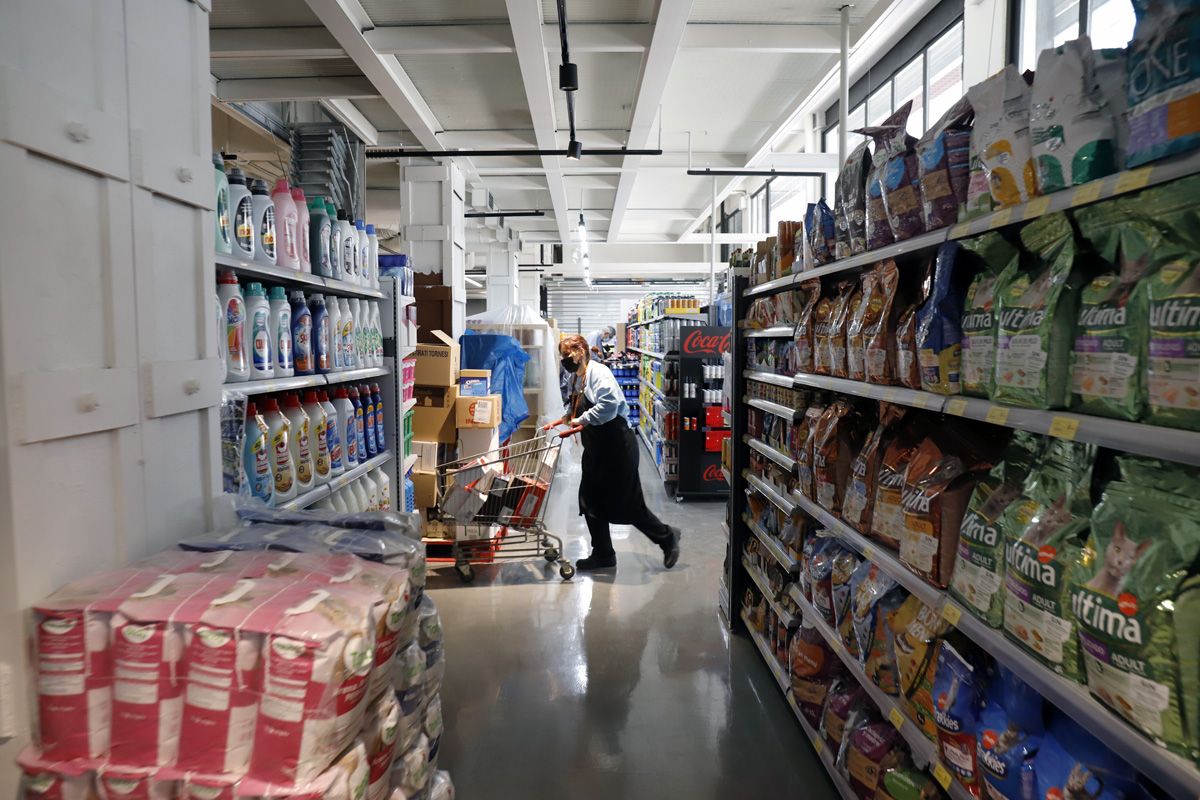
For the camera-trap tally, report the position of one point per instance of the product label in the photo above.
(304, 465)
(289, 237)
(283, 345)
(223, 217)
(261, 341)
(283, 460)
(322, 348)
(267, 232)
(1104, 365)
(243, 222)
(978, 351)
(1173, 378)
(369, 424)
(1020, 360)
(351, 439)
(258, 465)
(235, 323)
(302, 341)
(348, 341)
(219, 702)
(334, 441)
(348, 250)
(323, 256)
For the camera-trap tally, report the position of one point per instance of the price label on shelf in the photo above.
(957, 406)
(1037, 207)
(1001, 218)
(920, 401)
(897, 718)
(1088, 193)
(951, 613)
(997, 415)
(942, 776)
(889, 395)
(1064, 427)
(960, 230)
(818, 744)
(868, 553)
(1132, 180)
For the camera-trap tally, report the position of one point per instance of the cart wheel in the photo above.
(547, 542)
(465, 573)
(551, 554)
(566, 571)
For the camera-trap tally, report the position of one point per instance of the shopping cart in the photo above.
(496, 502)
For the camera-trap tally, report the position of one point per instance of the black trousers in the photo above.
(651, 526)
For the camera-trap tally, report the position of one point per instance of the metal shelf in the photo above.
(768, 491)
(349, 476)
(653, 389)
(777, 670)
(778, 410)
(725, 474)
(304, 381)
(410, 461)
(769, 377)
(788, 619)
(409, 405)
(785, 461)
(769, 333)
(773, 547)
(651, 353)
(292, 277)
(661, 317)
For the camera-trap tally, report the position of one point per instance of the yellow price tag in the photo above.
(1132, 180)
(957, 406)
(897, 718)
(868, 553)
(1088, 193)
(997, 415)
(1036, 207)
(920, 401)
(1001, 218)
(1064, 427)
(959, 231)
(942, 776)
(818, 744)
(951, 613)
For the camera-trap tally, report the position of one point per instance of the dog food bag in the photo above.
(939, 331)
(887, 516)
(943, 163)
(881, 665)
(838, 436)
(979, 192)
(812, 666)
(822, 326)
(906, 782)
(998, 260)
(835, 340)
(864, 313)
(979, 564)
(868, 586)
(1162, 80)
(1001, 136)
(917, 632)
(43, 779)
(820, 578)
(1008, 735)
(859, 500)
(879, 327)
(895, 159)
(908, 367)
(1073, 130)
(878, 229)
(958, 689)
(1145, 542)
(1044, 534)
(872, 749)
(806, 432)
(852, 199)
(820, 233)
(845, 563)
(803, 349)
(1037, 312)
(845, 697)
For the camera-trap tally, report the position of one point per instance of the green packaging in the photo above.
(997, 259)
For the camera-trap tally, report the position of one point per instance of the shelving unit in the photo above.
(786, 617)
(304, 381)
(772, 546)
(295, 278)
(660, 318)
(782, 459)
(308, 498)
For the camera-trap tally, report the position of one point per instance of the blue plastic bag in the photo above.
(505, 357)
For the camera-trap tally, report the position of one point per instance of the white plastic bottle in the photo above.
(361, 499)
(256, 458)
(302, 229)
(282, 466)
(348, 359)
(334, 309)
(338, 500)
(333, 437)
(357, 333)
(258, 329)
(385, 488)
(233, 313)
(349, 248)
(377, 333)
(335, 244)
(264, 223)
(318, 437)
(371, 488)
(372, 258)
(281, 333)
(241, 209)
(300, 442)
(287, 226)
(364, 253)
(222, 346)
(347, 426)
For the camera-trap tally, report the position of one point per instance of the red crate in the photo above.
(713, 439)
(713, 418)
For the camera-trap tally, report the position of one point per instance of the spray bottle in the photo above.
(380, 443)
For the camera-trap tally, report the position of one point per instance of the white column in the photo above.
(434, 233)
(502, 290)
(529, 289)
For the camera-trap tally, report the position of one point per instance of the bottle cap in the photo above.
(291, 400)
(317, 204)
(219, 161)
(256, 288)
(259, 186)
(323, 396)
(340, 393)
(235, 176)
(297, 194)
(278, 293)
(358, 223)
(251, 409)
(271, 404)
(227, 276)
(329, 209)
(281, 185)
(341, 214)
(352, 392)
(375, 388)
(370, 230)
(297, 295)
(363, 389)
(310, 396)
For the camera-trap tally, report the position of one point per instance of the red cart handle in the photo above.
(569, 432)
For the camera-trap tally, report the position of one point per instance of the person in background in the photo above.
(610, 491)
(597, 339)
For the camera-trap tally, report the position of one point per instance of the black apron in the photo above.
(609, 488)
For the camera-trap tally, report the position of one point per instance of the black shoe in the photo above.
(594, 562)
(671, 549)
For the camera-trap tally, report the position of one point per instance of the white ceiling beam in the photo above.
(600, 38)
(412, 40)
(762, 38)
(246, 89)
(346, 113)
(525, 17)
(269, 43)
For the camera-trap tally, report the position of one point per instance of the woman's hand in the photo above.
(554, 424)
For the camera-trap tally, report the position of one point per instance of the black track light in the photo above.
(568, 77)
(574, 150)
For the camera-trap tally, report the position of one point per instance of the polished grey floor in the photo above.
(621, 685)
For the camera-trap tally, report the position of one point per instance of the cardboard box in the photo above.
(433, 418)
(478, 412)
(434, 309)
(425, 488)
(427, 455)
(437, 364)
(477, 441)
(474, 382)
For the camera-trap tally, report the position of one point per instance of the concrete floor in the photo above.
(621, 685)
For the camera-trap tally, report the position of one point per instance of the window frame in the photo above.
(1015, 22)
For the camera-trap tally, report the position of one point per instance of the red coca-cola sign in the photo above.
(712, 473)
(706, 342)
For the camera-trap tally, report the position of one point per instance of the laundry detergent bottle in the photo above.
(318, 436)
(360, 423)
(287, 226)
(368, 404)
(279, 433)
(302, 335)
(349, 248)
(320, 325)
(318, 237)
(224, 231)
(364, 251)
(372, 258)
(333, 436)
(347, 426)
(233, 312)
(302, 223)
(385, 488)
(301, 441)
(258, 323)
(264, 223)
(256, 458)
(380, 443)
(335, 244)
(241, 209)
(281, 332)
(335, 335)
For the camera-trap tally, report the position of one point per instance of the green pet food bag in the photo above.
(998, 259)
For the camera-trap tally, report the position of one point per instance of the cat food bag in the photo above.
(868, 585)
(881, 665)
(979, 564)
(820, 578)
(1044, 534)
(839, 321)
(859, 499)
(1008, 735)
(852, 200)
(806, 457)
(1145, 541)
(887, 516)
(878, 229)
(979, 192)
(822, 326)
(872, 749)
(1073, 131)
(998, 260)
(908, 369)
(844, 565)
(917, 631)
(879, 328)
(812, 545)
(1070, 763)
(845, 696)
(863, 314)
(803, 344)
(1162, 100)
(896, 160)
(820, 233)
(813, 666)
(1001, 129)
(943, 163)
(958, 701)
(1037, 312)
(838, 436)
(1111, 71)
(939, 335)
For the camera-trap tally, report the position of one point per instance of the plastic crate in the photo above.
(409, 491)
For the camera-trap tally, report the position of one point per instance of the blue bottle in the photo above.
(322, 357)
(360, 430)
(302, 335)
(378, 398)
(368, 404)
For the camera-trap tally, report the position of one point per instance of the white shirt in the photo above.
(596, 339)
(603, 392)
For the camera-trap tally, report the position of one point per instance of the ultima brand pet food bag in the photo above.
(864, 312)
(1001, 136)
(944, 161)
(823, 322)
(1008, 735)
(806, 432)
(852, 201)
(917, 632)
(1044, 534)
(995, 260)
(908, 368)
(979, 564)
(939, 332)
(887, 517)
(879, 330)
(1163, 99)
(958, 701)
(1037, 312)
(1145, 542)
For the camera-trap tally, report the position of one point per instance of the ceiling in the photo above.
(713, 81)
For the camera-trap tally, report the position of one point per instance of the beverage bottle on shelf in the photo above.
(224, 231)
(319, 232)
(256, 458)
(233, 312)
(372, 258)
(368, 404)
(279, 431)
(378, 398)
(333, 436)
(300, 441)
(364, 252)
(264, 223)
(335, 335)
(347, 426)
(281, 332)
(349, 247)
(258, 329)
(385, 488)
(336, 269)
(321, 336)
(241, 209)
(318, 435)
(287, 223)
(360, 423)
(303, 220)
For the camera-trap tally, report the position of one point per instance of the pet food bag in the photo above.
(979, 564)
(822, 326)
(943, 164)
(939, 332)
(1071, 763)
(958, 693)
(917, 632)
(835, 340)
(43, 779)
(852, 199)
(908, 368)
(820, 577)
(998, 261)
(1008, 735)
(845, 697)
(868, 587)
(858, 502)
(134, 783)
(1037, 312)
(878, 229)
(1044, 534)
(879, 329)
(887, 516)
(1163, 86)
(802, 350)
(838, 435)
(895, 158)
(441, 787)
(1001, 136)
(805, 431)
(819, 232)
(1145, 541)
(412, 770)
(872, 749)
(845, 563)
(864, 311)
(906, 782)
(812, 665)
(1073, 131)
(1111, 71)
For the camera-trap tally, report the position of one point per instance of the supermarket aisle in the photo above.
(621, 685)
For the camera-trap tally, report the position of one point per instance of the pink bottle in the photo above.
(287, 219)
(302, 228)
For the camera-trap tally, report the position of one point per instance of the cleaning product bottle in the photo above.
(347, 426)
(356, 332)
(338, 499)
(360, 495)
(287, 224)
(279, 432)
(368, 405)
(349, 247)
(302, 235)
(371, 489)
(347, 320)
(380, 443)
(301, 441)
(233, 306)
(318, 436)
(224, 223)
(377, 333)
(385, 488)
(281, 332)
(264, 223)
(364, 252)
(336, 269)
(335, 334)
(222, 346)
(360, 424)
(258, 324)
(320, 325)
(318, 235)
(256, 458)
(372, 258)
(241, 209)
(333, 435)
(302, 335)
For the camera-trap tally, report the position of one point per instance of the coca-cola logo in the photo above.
(699, 343)
(713, 473)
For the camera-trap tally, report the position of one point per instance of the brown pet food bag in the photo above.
(804, 456)
(887, 518)
(879, 332)
(803, 345)
(847, 292)
(908, 368)
(862, 315)
(837, 439)
(859, 500)
(822, 324)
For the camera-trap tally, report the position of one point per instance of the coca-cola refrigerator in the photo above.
(701, 424)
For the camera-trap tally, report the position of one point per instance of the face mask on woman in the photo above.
(570, 364)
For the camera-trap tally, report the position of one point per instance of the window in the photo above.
(1049, 23)
(909, 84)
(790, 198)
(879, 104)
(758, 210)
(1110, 23)
(943, 79)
